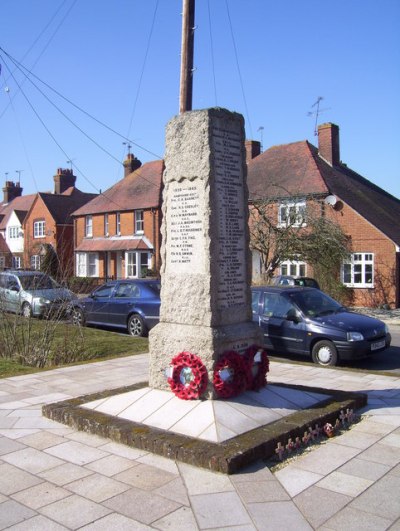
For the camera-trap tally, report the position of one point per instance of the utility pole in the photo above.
(186, 83)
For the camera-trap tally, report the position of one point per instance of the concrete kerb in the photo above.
(227, 457)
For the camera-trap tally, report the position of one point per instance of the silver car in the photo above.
(32, 293)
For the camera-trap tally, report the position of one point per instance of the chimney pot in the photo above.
(131, 163)
(253, 149)
(11, 190)
(63, 180)
(328, 143)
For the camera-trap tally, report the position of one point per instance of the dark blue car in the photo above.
(306, 321)
(133, 305)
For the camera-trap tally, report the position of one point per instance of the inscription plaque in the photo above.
(185, 249)
(231, 217)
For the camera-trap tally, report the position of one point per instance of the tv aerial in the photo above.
(317, 112)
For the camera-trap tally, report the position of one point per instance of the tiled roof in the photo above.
(3, 245)
(140, 189)
(61, 206)
(285, 170)
(21, 204)
(297, 170)
(108, 244)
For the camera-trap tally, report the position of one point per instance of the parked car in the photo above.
(32, 293)
(287, 280)
(299, 320)
(133, 305)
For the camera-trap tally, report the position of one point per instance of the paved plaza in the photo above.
(55, 478)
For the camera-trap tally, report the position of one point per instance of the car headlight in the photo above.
(354, 336)
(42, 300)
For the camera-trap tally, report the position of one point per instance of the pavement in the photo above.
(55, 478)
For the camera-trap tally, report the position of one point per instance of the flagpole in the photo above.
(187, 48)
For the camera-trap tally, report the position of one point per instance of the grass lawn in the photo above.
(31, 345)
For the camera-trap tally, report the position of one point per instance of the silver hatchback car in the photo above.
(32, 293)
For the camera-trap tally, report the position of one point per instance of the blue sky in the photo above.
(119, 61)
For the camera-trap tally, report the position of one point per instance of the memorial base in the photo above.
(166, 340)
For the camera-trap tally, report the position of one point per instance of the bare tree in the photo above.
(297, 234)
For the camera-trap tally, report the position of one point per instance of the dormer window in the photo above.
(13, 232)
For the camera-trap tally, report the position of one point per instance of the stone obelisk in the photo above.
(205, 273)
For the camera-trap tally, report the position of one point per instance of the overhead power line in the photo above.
(26, 72)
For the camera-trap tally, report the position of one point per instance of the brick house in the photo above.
(13, 211)
(117, 234)
(48, 222)
(296, 174)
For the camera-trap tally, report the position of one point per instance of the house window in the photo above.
(88, 226)
(16, 262)
(292, 213)
(106, 227)
(358, 272)
(13, 232)
(137, 264)
(87, 265)
(39, 228)
(293, 268)
(139, 222)
(35, 261)
(2, 262)
(118, 224)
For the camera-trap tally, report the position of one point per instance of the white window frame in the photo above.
(133, 259)
(293, 268)
(39, 228)
(2, 262)
(358, 272)
(16, 262)
(89, 226)
(292, 209)
(139, 221)
(118, 224)
(106, 225)
(35, 262)
(13, 232)
(87, 264)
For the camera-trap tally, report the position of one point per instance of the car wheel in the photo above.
(136, 326)
(78, 317)
(324, 353)
(26, 310)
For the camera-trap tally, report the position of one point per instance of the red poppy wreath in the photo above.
(231, 375)
(189, 376)
(258, 366)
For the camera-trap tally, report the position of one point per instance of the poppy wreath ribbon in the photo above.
(189, 376)
(231, 374)
(258, 366)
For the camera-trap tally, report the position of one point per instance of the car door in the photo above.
(121, 303)
(284, 329)
(97, 309)
(12, 294)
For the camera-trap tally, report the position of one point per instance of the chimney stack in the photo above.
(253, 149)
(131, 163)
(11, 190)
(64, 179)
(328, 143)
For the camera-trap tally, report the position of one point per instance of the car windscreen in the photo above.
(31, 282)
(314, 303)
